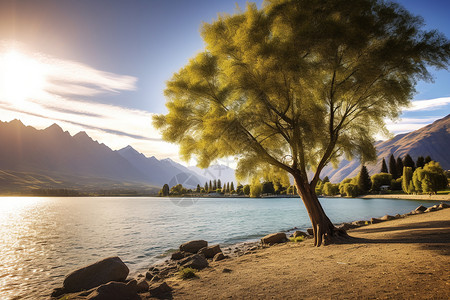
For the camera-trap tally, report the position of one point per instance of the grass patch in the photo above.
(443, 192)
(187, 273)
(297, 239)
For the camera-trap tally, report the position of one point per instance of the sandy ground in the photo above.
(412, 197)
(405, 258)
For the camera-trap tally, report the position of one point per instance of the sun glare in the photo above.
(21, 77)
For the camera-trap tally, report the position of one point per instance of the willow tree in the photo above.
(296, 85)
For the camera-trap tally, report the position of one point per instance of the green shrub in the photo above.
(187, 273)
(297, 239)
(380, 179)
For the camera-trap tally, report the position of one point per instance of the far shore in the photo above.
(408, 197)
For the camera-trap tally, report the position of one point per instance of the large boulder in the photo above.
(210, 251)
(142, 285)
(193, 246)
(101, 272)
(274, 238)
(195, 261)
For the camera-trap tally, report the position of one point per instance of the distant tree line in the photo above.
(403, 174)
(423, 176)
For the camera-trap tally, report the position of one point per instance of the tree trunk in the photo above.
(324, 231)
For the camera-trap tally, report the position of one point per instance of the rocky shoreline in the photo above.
(109, 278)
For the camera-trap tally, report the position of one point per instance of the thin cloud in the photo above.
(427, 105)
(68, 99)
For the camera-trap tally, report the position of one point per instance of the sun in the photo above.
(21, 77)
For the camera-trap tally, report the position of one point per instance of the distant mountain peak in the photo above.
(16, 122)
(54, 128)
(82, 135)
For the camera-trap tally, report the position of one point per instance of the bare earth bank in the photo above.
(409, 197)
(405, 258)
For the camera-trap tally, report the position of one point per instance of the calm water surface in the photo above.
(43, 239)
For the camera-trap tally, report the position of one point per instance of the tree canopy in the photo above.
(296, 85)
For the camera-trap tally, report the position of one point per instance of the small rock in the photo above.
(274, 238)
(397, 216)
(140, 275)
(159, 289)
(387, 218)
(58, 292)
(444, 205)
(155, 278)
(300, 233)
(375, 220)
(210, 251)
(429, 209)
(149, 275)
(310, 231)
(359, 223)
(225, 270)
(153, 269)
(196, 261)
(142, 285)
(115, 291)
(421, 208)
(193, 246)
(101, 272)
(177, 255)
(219, 256)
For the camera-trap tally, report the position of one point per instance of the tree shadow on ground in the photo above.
(432, 235)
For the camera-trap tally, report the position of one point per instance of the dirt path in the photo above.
(400, 259)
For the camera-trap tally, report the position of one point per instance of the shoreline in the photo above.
(404, 258)
(248, 261)
(408, 197)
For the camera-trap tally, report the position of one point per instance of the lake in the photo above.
(45, 238)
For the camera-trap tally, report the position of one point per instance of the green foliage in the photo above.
(420, 162)
(399, 167)
(384, 168)
(427, 159)
(246, 189)
(267, 188)
(187, 273)
(240, 189)
(430, 178)
(409, 162)
(407, 185)
(396, 184)
(326, 179)
(164, 192)
(255, 189)
(297, 239)
(311, 80)
(178, 190)
(393, 167)
(351, 190)
(231, 186)
(341, 185)
(364, 182)
(292, 190)
(435, 178)
(330, 189)
(380, 179)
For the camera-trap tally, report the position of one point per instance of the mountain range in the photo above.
(432, 140)
(53, 159)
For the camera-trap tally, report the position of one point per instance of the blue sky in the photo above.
(109, 61)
